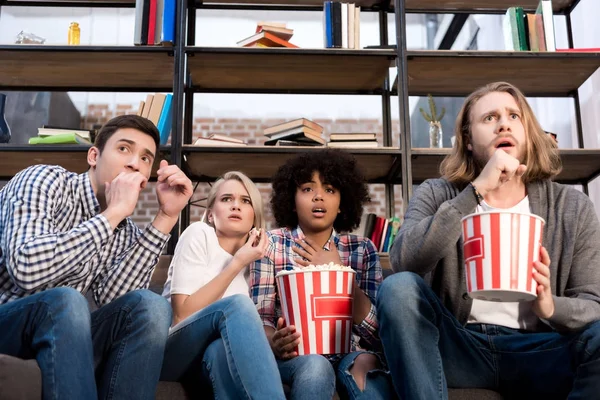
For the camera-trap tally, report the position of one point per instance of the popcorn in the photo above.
(321, 267)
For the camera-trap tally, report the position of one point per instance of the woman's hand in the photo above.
(254, 249)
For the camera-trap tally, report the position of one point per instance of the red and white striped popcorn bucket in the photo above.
(319, 304)
(499, 251)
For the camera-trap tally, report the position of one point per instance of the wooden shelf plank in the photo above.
(14, 158)
(579, 165)
(261, 162)
(280, 70)
(93, 68)
(308, 3)
(458, 73)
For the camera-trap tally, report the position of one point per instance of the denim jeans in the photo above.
(378, 382)
(428, 350)
(310, 377)
(225, 346)
(89, 356)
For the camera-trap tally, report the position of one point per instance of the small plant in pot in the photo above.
(435, 126)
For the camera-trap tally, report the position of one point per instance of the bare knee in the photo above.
(363, 363)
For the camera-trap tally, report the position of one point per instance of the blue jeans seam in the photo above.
(53, 347)
(225, 336)
(113, 378)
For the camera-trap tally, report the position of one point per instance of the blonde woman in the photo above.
(217, 339)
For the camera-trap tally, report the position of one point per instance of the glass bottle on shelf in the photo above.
(74, 33)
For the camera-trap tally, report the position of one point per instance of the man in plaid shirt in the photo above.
(316, 196)
(62, 235)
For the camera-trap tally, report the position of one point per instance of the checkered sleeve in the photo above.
(37, 251)
(134, 267)
(369, 280)
(262, 286)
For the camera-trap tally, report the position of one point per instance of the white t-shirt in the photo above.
(510, 314)
(197, 260)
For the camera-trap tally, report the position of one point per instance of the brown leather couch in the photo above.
(21, 379)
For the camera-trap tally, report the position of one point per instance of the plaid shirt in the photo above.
(51, 234)
(355, 251)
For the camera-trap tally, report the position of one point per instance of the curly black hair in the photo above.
(335, 167)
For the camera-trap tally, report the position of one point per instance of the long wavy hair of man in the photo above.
(541, 155)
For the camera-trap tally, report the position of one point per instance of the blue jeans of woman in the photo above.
(428, 350)
(224, 346)
(89, 356)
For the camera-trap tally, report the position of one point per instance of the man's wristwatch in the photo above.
(478, 196)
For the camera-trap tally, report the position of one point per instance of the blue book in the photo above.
(168, 22)
(164, 122)
(328, 24)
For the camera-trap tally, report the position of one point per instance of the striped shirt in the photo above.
(51, 235)
(357, 252)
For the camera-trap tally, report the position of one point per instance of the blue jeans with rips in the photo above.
(224, 347)
(378, 382)
(89, 356)
(428, 350)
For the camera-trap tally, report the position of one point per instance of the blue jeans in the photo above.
(378, 383)
(225, 346)
(89, 356)
(310, 377)
(428, 350)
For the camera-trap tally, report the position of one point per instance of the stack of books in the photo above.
(341, 25)
(154, 22)
(530, 32)
(158, 109)
(269, 34)
(299, 132)
(352, 140)
(56, 135)
(382, 231)
(219, 140)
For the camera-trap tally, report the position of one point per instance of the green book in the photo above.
(64, 138)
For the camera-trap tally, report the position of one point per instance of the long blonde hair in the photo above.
(541, 155)
(253, 192)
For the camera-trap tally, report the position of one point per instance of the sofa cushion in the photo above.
(19, 379)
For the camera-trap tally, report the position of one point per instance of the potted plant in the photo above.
(435, 126)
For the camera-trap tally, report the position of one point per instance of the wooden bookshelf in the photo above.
(280, 70)
(58, 3)
(579, 165)
(14, 158)
(261, 162)
(458, 73)
(89, 68)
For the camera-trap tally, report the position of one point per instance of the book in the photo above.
(363, 143)
(300, 133)
(283, 142)
(283, 33)
(345, 137)
(267, 39)
(46, 130)
(293, 124)
(156, 108)
(223, 138)
(165, 120)
(203, 141)
(63, 138)
(545, 10)
(167, 33)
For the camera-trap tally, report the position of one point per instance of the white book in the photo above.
(344, 25)
(357, 27)
(351, 15)
(507, 31)
(545, 9)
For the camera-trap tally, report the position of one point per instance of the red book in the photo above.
(580, 50)
(152, 22)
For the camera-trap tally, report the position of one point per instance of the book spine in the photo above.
(168, 24)
(337, 24)
(152, 22)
